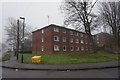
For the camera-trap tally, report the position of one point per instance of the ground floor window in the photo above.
(56, 48)
(64, 48)
(77, 48)
(42, 48)
(71, 48)
(82, 48)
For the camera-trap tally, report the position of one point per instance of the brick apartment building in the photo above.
(58, 39)
(102, 39)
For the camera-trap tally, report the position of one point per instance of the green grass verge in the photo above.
(6, 57)
(71, 58)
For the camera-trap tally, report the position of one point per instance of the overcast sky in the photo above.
(35, 13)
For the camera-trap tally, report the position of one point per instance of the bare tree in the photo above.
(12, 32)
(109, 17)
(79, 14)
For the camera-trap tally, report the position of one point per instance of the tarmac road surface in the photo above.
(95, 73)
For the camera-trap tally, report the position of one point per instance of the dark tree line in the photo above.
(79, 14)
(109, 16)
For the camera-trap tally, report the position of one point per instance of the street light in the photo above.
(17, 38)
(23, 37)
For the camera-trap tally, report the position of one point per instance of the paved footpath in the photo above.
(13, 64)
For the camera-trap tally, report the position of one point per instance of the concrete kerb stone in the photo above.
(64, 67)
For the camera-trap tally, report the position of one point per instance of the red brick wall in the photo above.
(49, 41)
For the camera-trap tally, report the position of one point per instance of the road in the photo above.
(98, 73)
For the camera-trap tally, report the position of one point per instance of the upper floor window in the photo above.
(82, 42)
(81, 35)
(71, 32)
(42, 39)
(77, 48)
(77, 40)
(56, 48)
(71, 48)
(77, 34)
(42, 31)
(97, 38)
(56, 29)
(64, 39)
(71, 40)
(64, 48)
(64, 31)
(56, 38)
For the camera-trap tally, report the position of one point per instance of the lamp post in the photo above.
(17, 39)
(23, 37)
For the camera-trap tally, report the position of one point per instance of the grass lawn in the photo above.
(71, 58)
(5, 57)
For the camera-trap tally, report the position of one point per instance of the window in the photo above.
(56, 38)
(56, 29)
(86, 48)
(77, 48)
(42, 31)
(71, 32)
(71, 40)
(97, 38)
(71, 48)
(64, 48)
(77, 40)
(82, 42)
(81, 35)
(64, 31)
(82, 48)
(64, 39)
(56, 48)
(97, 42)
(42, 48)
(77, 34)
(86, 42)
(42, 39)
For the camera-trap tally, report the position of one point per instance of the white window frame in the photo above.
(71, 32)
(77, 40)
(56, 48)
(65, 48)
(42, 39)
(56, 29)
(82, 42)
(42, 31)
(72, 48)
(64, 39)
(71, 40)
(98, 42)
(82, 48)
(86, 42)
(42, 48)
(77, 48)
(57, 38)
(77, 34)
